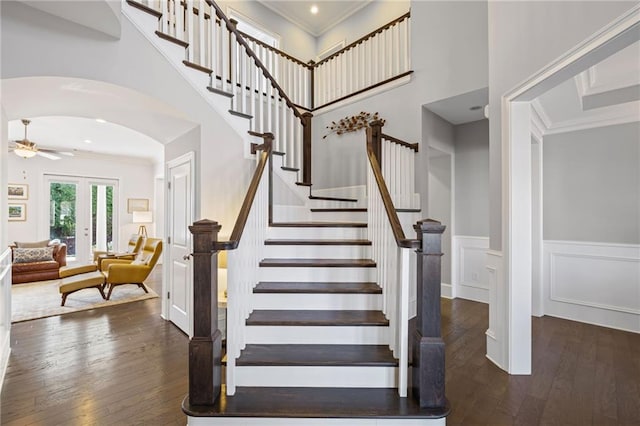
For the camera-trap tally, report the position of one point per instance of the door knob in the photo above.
(186, 257)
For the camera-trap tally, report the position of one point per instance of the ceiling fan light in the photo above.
(24, 153)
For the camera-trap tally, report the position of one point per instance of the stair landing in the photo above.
(317, 406)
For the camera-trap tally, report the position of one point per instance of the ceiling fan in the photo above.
(27, 149)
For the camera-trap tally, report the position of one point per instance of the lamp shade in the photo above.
(142, 217)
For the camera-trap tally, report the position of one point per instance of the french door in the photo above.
(83, 213)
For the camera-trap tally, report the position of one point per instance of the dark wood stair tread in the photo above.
(290, 169)
(317, 355)
(277, 242)
(278, 402)
(345, 209)
(304, 184)
(145, 8)
(316, 197)
(219, 92)
(319, 225)
(317, 287)
(240, 114)
(172, 39)
(197, 67)
(317, 263)
(317, 318)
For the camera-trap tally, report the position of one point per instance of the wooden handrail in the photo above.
(276, 50)
(413, 146)
(243, 215)
(392, 215)
(366, 37)
(240, 38)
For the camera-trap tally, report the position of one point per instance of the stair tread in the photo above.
(317, 355)
(172, 39)
(319, 225)
(291, 242)
(318, 263)
(290, 169)
(317, 197)
(345, 209)
(145, 8)
(317, 287)
(317, 318)
(277, 402)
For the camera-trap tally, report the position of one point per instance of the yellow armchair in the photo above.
(123, 271)
(133, 248)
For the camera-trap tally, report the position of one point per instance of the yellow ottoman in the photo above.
(80, 282)
(69, 271)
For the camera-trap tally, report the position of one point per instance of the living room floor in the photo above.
(125, 365)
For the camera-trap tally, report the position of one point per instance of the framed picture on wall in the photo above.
(18, 191)
(137, 205)
(17, 212)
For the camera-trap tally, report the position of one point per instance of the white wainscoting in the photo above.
(470, 279)
(5, 311)
(596, 283)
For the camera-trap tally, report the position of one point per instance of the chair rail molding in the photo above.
(5, 312)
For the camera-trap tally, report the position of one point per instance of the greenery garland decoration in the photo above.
(353, 123)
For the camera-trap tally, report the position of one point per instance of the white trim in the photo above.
(367, 94)
(592, 243)
(231, 12)
(446, 291)
(306, 421)
(516, 181)
(331, 50)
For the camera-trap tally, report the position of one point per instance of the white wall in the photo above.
(293, 40)
(135, 180)
(372, 16)
(591, 185)
(55, 47)
(523, 38)
(5, 256)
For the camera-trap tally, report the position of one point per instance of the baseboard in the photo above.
(303, 421)
(476, 294)
(446, 291)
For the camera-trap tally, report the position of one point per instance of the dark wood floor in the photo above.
(125, 365)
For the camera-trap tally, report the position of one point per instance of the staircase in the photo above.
(318, 303)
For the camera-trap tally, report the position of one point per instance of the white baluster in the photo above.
(224, 53)
(407, 49)
(396, 49)
(213, 47)
(233, 71)
(242, 93)
(260, 114)
(269, 93)
(252, 88)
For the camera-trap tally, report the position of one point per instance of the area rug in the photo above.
(42, 299)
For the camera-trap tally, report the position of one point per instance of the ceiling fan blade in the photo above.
(47, 155)
(56, 152)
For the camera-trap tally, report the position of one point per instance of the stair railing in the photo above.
(379, 57)
(392, 253)
(245, 250)
(244, 69)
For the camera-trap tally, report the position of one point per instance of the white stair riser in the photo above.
(354, 302)
(330, 204)
(339, 216)
(291, 213)
(317, 233)
(317, 377)
(328, 335)
(318, 252)
(293, 421)
(316, 274)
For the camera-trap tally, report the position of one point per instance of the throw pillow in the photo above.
(29, 255)
(37, 244)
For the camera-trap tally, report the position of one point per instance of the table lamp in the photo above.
(142, 218)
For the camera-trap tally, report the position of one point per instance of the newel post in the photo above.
(306, 147)
(374, 138)
(428, 346)
(205, 347)
(312, 82)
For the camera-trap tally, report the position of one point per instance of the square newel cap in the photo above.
(429, 226)
(204, 226)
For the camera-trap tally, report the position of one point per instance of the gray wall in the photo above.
(524, 36)
(440, 203)
(591, 185)
(472, 178)
(437, 133)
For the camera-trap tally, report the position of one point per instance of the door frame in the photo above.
(190, 158)
(43, 225)
(515, 292)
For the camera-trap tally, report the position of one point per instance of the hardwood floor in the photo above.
(125, 365)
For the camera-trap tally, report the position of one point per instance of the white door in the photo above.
(180, 187)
